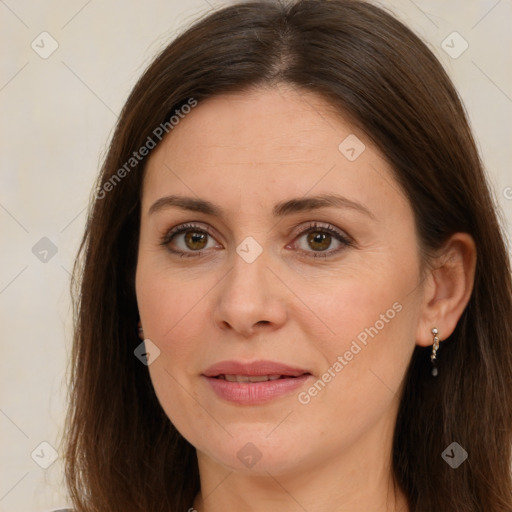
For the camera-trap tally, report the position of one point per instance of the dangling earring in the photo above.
(141, 331)
(435, 346)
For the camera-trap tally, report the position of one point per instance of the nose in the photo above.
(250, 299)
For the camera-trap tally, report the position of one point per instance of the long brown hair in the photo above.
(121, 451)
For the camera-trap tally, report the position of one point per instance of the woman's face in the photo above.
(274, 276)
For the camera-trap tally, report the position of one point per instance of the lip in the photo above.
(254, 393)
(253, 368)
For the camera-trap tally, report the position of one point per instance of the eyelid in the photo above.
(183, 228)
(325, 226)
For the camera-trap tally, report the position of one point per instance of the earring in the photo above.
(435, 346)
(141, 331)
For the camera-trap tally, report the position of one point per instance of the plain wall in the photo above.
(57, 116)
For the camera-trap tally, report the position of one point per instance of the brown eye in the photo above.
(195, 240)
(188, 240)
(319, 241)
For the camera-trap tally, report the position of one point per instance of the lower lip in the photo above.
(253, 393)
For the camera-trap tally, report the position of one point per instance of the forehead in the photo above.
(266, 143)
(260, 123)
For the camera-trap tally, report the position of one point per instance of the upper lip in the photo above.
(255, 368)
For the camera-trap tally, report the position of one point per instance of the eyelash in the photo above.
(312, 227)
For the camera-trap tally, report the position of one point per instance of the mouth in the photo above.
(256, 378)
(254, 383)
(267, 370)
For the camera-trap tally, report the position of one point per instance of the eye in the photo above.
(321, 238)
(191, 240)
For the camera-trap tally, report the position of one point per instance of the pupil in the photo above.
(323, 239)
(195, 238)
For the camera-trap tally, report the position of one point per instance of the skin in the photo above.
(247, 151)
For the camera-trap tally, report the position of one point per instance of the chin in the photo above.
(253, 452)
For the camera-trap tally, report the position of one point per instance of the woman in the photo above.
(294, 219)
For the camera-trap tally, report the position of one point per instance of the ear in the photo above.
(448, 288)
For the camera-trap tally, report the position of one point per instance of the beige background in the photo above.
(57, 116)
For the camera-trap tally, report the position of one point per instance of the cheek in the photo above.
(370, 320)
(173, 315)
(364, 366)
(176, 315)
(354, 305)
(172, 309)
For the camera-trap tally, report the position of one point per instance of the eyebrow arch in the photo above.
(280, 209)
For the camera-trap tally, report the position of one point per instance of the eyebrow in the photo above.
(281, 209)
